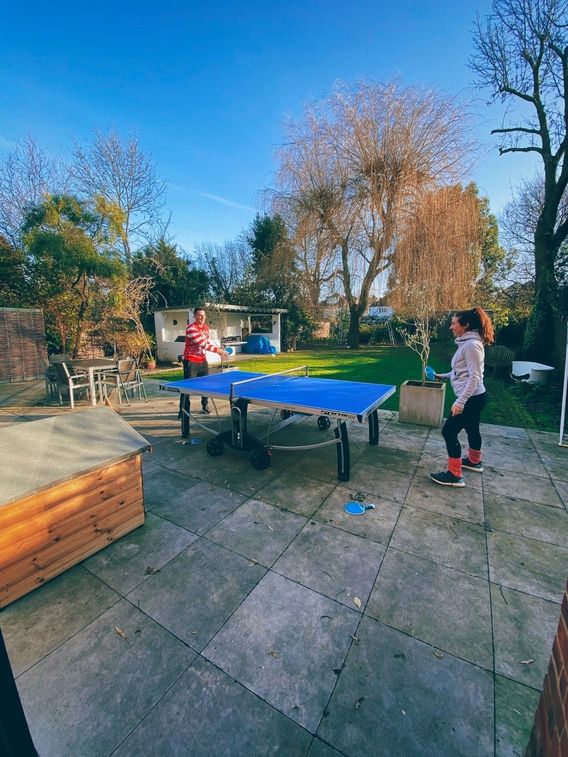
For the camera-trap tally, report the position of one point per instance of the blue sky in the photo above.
(206, 86)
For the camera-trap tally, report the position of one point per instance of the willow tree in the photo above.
(356, 163)
(522, 57)
(436, 263)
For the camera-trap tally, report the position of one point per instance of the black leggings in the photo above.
(469, 420)
(194, 370)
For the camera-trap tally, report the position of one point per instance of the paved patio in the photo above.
(252, 616)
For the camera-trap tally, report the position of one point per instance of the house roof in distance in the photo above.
(227, 308)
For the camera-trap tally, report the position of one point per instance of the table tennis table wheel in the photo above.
(285, 414)
(260, 459)
(323, 422)
(215, 447)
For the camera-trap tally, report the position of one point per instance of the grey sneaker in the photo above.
(471, 466)
(445, 478)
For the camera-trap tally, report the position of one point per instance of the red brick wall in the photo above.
(549, 736)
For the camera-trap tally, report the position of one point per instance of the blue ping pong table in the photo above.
(292, 396)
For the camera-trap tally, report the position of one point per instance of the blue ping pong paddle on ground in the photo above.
(356, 508)
(430, 373)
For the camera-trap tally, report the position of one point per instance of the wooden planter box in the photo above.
(57, 510)
(422, 404)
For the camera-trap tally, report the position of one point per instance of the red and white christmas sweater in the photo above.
(197, 342)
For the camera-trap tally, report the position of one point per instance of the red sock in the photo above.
(474, 455)
(455, 466)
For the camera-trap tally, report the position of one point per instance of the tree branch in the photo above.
(515, 128)
(503, 150)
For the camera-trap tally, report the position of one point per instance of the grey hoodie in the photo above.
(468, 365)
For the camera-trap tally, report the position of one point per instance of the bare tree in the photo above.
(225, 264)
(356, 164)
(519, 220)
(317, 261)
(522, 56)
(27, 174)
(125, 178)
(436, 262)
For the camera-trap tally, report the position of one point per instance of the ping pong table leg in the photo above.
(343, 460)
(374, 427)
(185, 416)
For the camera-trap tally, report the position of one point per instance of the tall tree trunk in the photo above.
(353, 333)
(540, 335)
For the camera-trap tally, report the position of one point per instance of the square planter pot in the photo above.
(422, 404)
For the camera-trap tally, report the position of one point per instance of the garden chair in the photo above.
(71, 382)
(127, 378)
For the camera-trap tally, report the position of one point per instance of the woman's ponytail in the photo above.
(477, 320)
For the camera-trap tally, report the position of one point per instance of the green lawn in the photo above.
(536, 407)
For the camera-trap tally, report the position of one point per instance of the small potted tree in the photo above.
(421, 402)
(435, 265)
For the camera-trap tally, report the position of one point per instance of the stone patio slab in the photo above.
(466, 503)
(395, 697)
(381, 481)
(258, 531)
(395, 436)
(199, 507)
(562, 489)
(287, 644)
(436, 604)
(195, 593)
(520, 486)
(208, 713)
(527, 565)
(41, 621)
(166, 451)
(321, 749)
(127, 562)
(332, 562)
(524, 628)
(75, 698)
(376, 525)
(452, 542)
(165, 485)
(557, 469)
(523, 518)
(507, 432)
(403, 461)
(515, 706)
(296, 492)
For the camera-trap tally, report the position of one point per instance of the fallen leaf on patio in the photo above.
(517, 711)
(359, 496)
(526, 662)
(120, 632)
(359, 702)
(355, 638)
(150, 570)
(357, 601)
(437, 654)
(403, 712)
(270, 527)
(273, 653)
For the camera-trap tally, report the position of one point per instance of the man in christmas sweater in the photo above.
(197, 342)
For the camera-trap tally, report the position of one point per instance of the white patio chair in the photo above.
(72, 382)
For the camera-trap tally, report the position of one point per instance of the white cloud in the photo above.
(225, 201)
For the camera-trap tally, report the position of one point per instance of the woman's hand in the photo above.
(457, 409)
